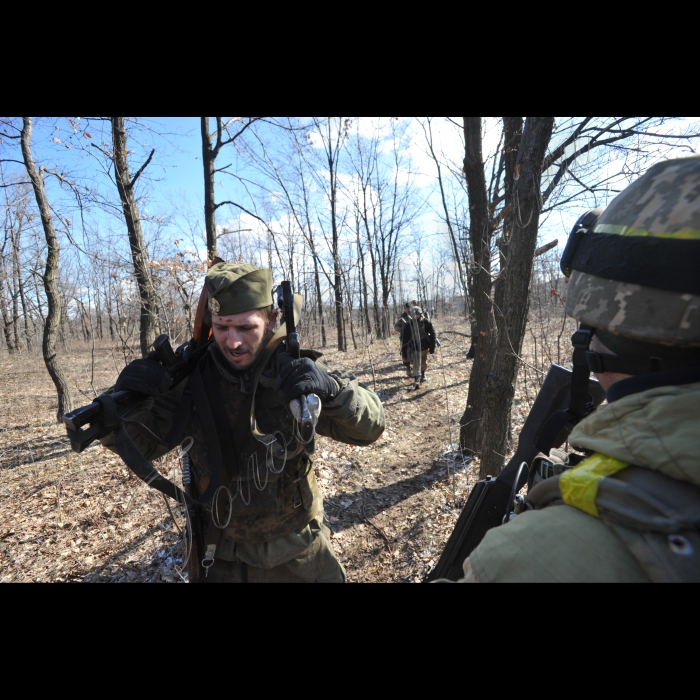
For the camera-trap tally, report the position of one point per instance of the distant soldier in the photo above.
(403, 319)
(417, 340)
(415, 303)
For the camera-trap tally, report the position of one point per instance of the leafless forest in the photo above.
(99, 255)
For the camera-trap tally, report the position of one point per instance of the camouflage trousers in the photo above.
(306, 556)
(423, 360)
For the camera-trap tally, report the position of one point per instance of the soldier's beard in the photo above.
(256, 354)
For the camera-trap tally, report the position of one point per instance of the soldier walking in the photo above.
(418, 339)
(403, 321)
(265, 521)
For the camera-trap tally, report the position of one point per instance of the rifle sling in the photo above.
(223, 430)
(560, 425)
(131, 456)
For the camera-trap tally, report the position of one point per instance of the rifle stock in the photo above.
(488, 501)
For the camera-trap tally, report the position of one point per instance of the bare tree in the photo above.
(148, 327)
(212, 143)
(333, 132)
(457, 250)
(53, 316)
(385, 202)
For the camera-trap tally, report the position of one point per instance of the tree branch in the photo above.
(101, 150)
(141, 169)
(243, 209)
(546, 248)
(658, 136)
(559, 151)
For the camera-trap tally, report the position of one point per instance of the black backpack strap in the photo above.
(220, 422)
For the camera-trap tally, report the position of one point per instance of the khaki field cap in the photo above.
(637, 273)
(235, 288)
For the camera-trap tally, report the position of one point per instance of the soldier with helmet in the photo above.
(627, 511)
(265, 518)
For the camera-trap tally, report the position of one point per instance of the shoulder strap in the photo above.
(655, 516)
(658, 518)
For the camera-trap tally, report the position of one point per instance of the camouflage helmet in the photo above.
(416, 310)
(634, 266)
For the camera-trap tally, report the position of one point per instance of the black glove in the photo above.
(302, 377)
(432, 351)
(146, 376)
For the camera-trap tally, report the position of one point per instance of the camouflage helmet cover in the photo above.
(639, 279)
(416, 310)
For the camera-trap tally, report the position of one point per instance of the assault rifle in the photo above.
(307, 424)
(179, 365)
(491, 500)
(86, 424)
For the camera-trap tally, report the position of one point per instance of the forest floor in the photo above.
(84, 517)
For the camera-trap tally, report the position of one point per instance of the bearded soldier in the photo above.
(629, 511)
(265, 522)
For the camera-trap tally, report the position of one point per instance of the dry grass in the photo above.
(391, 506)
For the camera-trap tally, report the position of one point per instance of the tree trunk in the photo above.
(149, 307)
(453, 239)
(53, 317)
(208, 160)
(6, 320)
(364, 300)
(337, 272)
(319, 299)
(38, 297)
(472, 423)
(15, 293)
(513, 286)
(20, 286)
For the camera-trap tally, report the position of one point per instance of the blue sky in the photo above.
(175, 174)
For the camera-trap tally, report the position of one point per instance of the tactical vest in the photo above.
(656, 517)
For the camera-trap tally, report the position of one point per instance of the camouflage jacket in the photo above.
(271, 497)
(656, 429)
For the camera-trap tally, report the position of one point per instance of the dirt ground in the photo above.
(391, 506)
